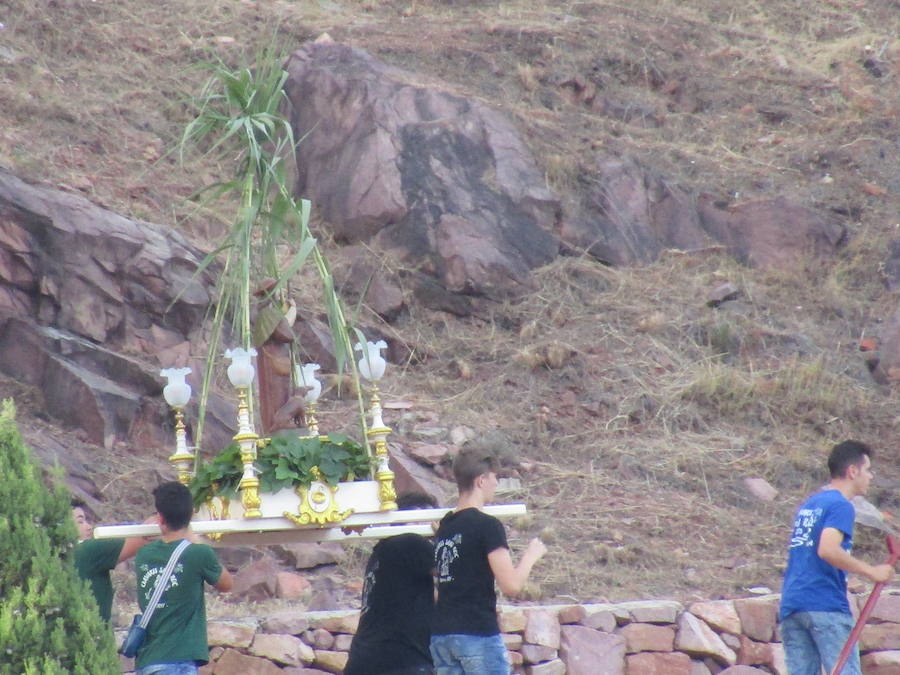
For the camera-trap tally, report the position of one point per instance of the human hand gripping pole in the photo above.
(137, 632)
(893, 555)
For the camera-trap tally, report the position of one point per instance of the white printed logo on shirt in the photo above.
(446, 551)
(803, 526)
(148, 580)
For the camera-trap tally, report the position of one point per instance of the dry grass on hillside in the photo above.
(638, 408)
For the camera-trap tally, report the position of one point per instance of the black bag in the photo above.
(134, 639)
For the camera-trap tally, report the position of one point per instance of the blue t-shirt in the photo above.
(810, 583)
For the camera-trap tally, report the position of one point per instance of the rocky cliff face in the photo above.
(92, 305)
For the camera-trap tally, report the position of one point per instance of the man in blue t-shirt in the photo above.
(815, 615)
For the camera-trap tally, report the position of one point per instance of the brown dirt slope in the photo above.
(639, 409)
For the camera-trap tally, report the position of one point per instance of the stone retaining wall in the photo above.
(732, 637)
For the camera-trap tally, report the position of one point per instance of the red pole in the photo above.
(894, 554)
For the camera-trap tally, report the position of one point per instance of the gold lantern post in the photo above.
(240, 374)
(371, 367)
(177, 393)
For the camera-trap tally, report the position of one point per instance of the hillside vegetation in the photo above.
(635, 408)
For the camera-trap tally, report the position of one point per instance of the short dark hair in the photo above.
(847, 454)
(173, 502)
(79, 503)
(416, 500)
(469, 464)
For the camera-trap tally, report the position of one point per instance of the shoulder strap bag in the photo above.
(137, 633)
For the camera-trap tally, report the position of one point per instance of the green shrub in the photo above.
(49, 623)
(286, 460)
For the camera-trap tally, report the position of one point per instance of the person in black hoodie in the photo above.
(470, 554)
(397, 604)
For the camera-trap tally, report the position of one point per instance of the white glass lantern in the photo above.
(241, 370)
(372, 364)
(177, 391)
(306, 377)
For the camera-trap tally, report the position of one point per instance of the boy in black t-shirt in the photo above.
(397, 603)
(470, 554)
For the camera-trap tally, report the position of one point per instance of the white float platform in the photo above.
(267, 530)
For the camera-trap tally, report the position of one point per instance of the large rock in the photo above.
(360, 275)
(306, 555)
(881, 663)
(284, 649)
(652, 611)
(647, 637)
(233, 634)
(257, 580)
(770, 232)
(232, 662)
(554, 667)
(887, 608)
(650, 663)
(720, 614)
(759, 616)
(880, 637)
(537, 653)
(602, 618)
(92, 304)
(94, 273)
(628, 214)
(410, 476)
(887, 367)
(286, 622)
(694, 637)
(332, 662)
(435, 178)
(586, 651)
(754, 653)
(542, 628)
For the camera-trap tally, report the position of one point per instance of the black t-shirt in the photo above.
(467, 602)
(397, 604)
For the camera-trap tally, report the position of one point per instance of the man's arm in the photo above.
(134, 544)
(512, 579)
(131, 546)
(831, 552)
(225, 582)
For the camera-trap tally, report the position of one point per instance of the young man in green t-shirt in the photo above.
(96, 558)
(176, 636)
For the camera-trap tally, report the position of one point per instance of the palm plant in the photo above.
(239, 120)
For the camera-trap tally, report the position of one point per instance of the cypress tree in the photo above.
(49, 623)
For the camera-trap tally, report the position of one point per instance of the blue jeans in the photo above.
(813, 640)
(178, 668)
(469, 655)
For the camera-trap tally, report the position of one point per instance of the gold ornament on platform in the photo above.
(318, 504)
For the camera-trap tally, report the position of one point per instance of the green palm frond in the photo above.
(238, 120)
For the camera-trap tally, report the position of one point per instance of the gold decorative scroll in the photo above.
(318, 504)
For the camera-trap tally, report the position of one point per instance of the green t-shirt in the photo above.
(177, 630)
(94, 558)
